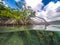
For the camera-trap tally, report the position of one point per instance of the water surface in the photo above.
(29, 27)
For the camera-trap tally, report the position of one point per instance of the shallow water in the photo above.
(53, 28)
(29, 27)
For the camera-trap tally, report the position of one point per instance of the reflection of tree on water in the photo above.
(45, 22)
(42, 21)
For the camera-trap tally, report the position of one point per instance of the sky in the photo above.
(11, 3)
(48, 9)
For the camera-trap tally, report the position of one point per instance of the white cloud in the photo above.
(2, 1)
(33, 3)
(58, 9)
(41, 14)
(17, 0)
(6, 5)
(52, 6)
(51, 10)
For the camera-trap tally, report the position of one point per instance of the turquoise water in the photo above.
(29, 35)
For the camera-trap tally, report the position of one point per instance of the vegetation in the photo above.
(22, 14)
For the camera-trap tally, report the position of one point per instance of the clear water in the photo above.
(29, 27)
(53, 28)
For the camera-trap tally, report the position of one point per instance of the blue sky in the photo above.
(11, 3)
